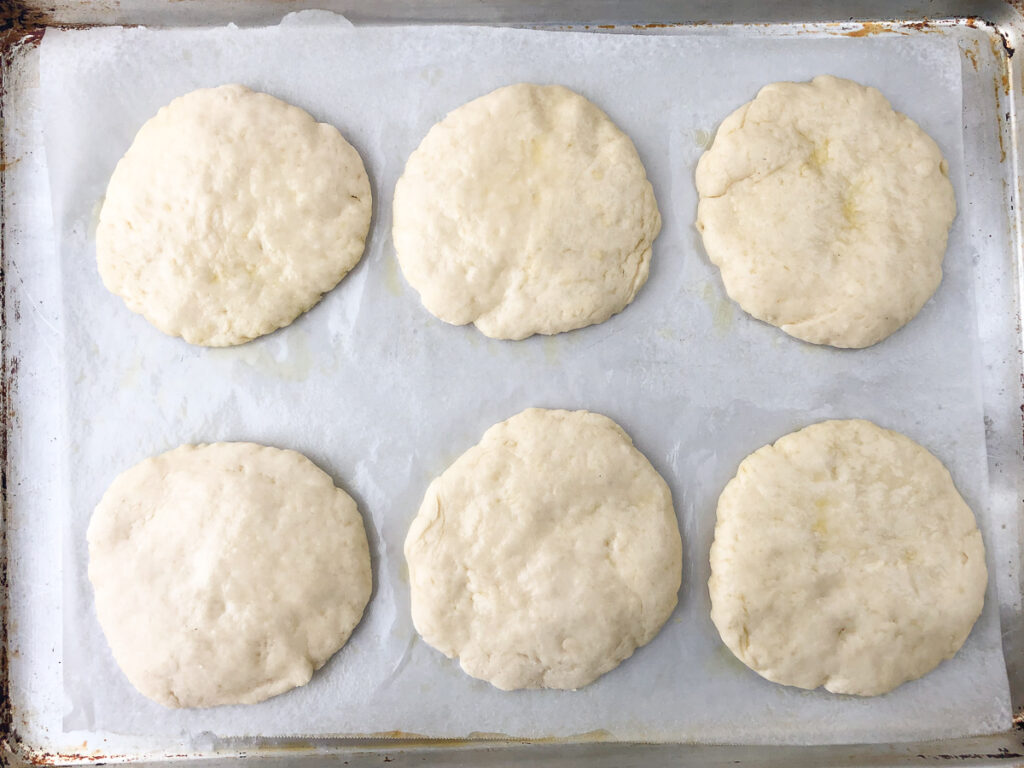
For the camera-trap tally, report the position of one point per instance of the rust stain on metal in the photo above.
(1001, 86)
(37, 757)
(868, 28)
(971, 53)
(892, 27)
(1003, 79)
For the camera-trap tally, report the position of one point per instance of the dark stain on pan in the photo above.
(6, 382)
(1001, 754)
(17, 17)
(18, 27)
(1006, 42)
(1016, 720)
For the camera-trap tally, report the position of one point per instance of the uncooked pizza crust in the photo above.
(826, 211)
(226, 573)
(231, 214)
(525, 211)
(845, 557)
(546, 553)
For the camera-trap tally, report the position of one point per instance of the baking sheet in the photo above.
(383, 396)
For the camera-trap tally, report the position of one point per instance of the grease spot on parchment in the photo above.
(393, 280)
(94, 217)
(552, 351)
(721, 307)
(724, 660)
(130, 376)
(286, 357)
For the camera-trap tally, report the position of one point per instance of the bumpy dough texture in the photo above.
(231, 214)
(845, 557)
(226, 573)
(826, 211)
(546, 554)
(525, 211)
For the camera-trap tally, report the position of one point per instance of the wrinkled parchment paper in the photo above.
(383, 396)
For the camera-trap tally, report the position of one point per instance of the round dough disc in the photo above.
(546, 554)
(845, 557)
(525, 211)
(826, 211)
(226, 573)
(230, 215)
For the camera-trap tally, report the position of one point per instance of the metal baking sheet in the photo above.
(988, 281)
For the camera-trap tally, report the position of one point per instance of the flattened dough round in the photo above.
(525, 211)
(546, 554)
(826, 211)
(230, 215)
(845, 557)
(226, 573)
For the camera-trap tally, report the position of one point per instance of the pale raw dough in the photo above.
(226, 573)
(546, 554)
(525, 211)
(826, 211)
(231, 214)
(845, 557)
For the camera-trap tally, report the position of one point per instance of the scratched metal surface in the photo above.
(31, 695)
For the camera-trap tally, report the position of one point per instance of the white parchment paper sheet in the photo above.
(384, 396)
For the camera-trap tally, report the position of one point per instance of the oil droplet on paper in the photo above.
(94, 217)
(130, 376)
(702, 138)
(294, 362)
(551, 349)
(392, 280)
(721, 309)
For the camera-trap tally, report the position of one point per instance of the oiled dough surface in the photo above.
(226, 573)
(826, 211)
(525, 211)
(230, 215)
(845, 557)
(546, 553)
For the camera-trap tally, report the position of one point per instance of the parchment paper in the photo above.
(384, 396)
